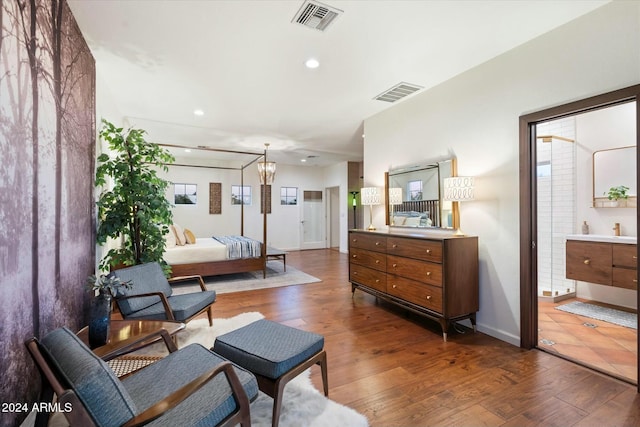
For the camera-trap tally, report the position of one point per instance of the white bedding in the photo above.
(205, 249)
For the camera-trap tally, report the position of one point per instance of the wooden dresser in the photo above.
(604, 263)
(436, 277)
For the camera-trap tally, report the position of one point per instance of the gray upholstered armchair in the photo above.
(191, 386)
(151, 296)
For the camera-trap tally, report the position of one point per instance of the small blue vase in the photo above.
(99, 320)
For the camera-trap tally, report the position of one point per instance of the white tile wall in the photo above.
(556, 205)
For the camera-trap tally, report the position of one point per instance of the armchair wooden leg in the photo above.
(210, 315)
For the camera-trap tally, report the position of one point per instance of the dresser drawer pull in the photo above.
(355, 273)
(377, 280)
(377, 243)
(635, 280)
(377, 261)
(394, 286)
(354, 240)
(394, 246)
(395, 265)
(634, 257)
(428, 297)
(428, 251)
(587, 261)
(354, 256)
(428, 273)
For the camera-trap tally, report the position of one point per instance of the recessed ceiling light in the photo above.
(187, 150)
(303, 160)
(198, 112)
(312, 63)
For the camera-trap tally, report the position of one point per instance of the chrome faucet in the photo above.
(616, 229)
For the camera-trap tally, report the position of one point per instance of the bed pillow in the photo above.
(170, 238)
(191, 238)
(413, 221)
(181, 240)
(398, 220)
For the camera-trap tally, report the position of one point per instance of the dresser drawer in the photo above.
(625, 256)
(625, 278)
(421, 271)
(375, 260)
(415, 292)
(368, 277)
(372, 242)
(589, 262)
(427, 250)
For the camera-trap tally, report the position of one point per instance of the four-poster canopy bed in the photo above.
(189, 262)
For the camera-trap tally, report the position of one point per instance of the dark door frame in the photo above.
(528, 219)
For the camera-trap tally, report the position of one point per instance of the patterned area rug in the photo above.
(606, 314)
(276, 277)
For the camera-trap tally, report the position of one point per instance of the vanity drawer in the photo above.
(368, 277)
(422, 271)
(427, 250)
(625, 256)
(415, 292)
(372, 242)
(375, 260)
(589, 261)
(625, 278)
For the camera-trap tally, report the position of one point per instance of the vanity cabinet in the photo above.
(436, 277)
(604, 263)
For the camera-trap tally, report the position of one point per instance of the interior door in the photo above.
(312, 220)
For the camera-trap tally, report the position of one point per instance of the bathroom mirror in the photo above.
(612, 168)
(414, 195)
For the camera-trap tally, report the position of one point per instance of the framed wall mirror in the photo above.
(414, 195)
(613, 168)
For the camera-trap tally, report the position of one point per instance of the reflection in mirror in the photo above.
(613, 168)
(414, 196)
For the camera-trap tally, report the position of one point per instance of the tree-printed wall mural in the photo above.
(47, 140)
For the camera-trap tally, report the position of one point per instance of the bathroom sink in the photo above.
(630, 240)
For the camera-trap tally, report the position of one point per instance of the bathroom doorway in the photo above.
(535, 267)
(570, 312)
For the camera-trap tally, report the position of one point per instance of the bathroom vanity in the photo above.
(605, 260)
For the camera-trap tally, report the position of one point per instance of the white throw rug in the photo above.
(302, 405)
(276, 277)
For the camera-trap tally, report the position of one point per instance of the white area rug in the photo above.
(276, 277)
(303, 404)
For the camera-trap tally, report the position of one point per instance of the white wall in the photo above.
(337, 176)
(283, 223)
(474, 116)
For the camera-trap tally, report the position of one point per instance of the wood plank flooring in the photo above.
(394, 367)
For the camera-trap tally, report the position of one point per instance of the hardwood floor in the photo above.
(394, 367)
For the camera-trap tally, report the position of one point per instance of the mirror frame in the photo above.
(601, 200)
(455, 215)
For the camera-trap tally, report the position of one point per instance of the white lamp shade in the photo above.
(370, 196)
(395, 196)
(458, 188)
(270, 169)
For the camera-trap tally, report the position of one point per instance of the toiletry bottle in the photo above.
(585, 228)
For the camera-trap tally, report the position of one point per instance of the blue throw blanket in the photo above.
(240, 246)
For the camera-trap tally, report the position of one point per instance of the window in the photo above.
(414, 190)
(240, 194)
(288, 195)
(185, 194)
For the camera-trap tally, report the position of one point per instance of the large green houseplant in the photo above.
(132, 206)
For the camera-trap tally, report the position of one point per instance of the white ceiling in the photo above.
(242, 63)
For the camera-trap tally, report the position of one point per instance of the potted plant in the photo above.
(134, 207)
(617, 193)
(103, 288)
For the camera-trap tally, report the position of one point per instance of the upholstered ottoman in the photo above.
(275, 354)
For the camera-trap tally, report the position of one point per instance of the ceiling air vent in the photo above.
(399, 91)
(316, 15)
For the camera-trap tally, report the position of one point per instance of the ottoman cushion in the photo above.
(268, 348)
